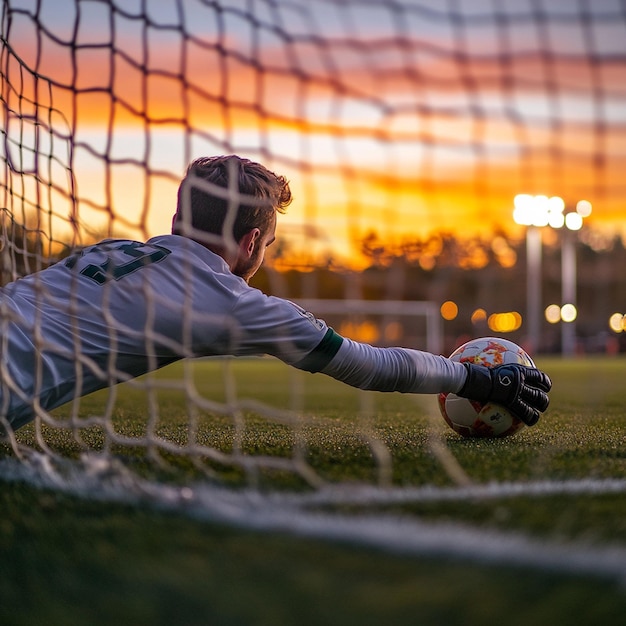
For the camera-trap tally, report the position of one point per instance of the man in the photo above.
(121, 308)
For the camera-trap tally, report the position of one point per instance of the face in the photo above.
(252, 251)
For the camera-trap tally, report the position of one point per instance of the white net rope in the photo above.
(369, 108)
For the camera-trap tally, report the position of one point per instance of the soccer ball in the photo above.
(477, 419)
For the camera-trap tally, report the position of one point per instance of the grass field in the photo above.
(69, 560)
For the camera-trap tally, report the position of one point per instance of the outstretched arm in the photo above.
(523, 390)
(394, 369)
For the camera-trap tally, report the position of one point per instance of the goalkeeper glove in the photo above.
(521, 389)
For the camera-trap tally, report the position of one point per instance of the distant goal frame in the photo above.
(427, 309)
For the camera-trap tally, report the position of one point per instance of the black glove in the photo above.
(521, 389)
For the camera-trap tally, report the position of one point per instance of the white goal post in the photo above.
(388, 311)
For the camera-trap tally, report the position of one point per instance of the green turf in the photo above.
(70, 561)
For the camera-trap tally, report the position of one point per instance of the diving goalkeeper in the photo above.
(120, 308)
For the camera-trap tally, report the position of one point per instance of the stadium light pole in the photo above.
(573, 222)
(535, 212)
(533, 285)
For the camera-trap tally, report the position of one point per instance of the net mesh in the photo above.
(394, 122)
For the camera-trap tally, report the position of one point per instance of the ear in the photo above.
(248, 243)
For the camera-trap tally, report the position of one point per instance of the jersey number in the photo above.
(108, 270)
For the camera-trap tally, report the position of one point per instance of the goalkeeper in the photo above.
(121, 308)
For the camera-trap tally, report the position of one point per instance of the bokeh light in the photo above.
(583, 208)
(538, 210)
(479, 316)
(553, 313)
(569, 313)
(573, 221)
(365, 331)
(504, 322)
(617, 322)
(449, 310)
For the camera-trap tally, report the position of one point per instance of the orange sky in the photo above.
(369, 140)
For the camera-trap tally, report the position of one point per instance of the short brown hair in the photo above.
(208, 212)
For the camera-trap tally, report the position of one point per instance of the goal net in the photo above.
(396, 123)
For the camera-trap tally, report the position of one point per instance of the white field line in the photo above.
(296, 514)
(368, 495)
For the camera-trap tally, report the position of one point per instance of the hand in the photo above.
(521, 389)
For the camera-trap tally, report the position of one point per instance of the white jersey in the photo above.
(121, 308)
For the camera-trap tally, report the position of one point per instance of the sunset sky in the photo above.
(404, 118)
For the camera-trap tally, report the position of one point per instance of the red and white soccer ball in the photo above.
(476, 419)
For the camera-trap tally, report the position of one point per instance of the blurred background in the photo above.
(464, 154)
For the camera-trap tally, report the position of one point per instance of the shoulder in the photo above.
(184, 245)
(187, 250)
(273, 311)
